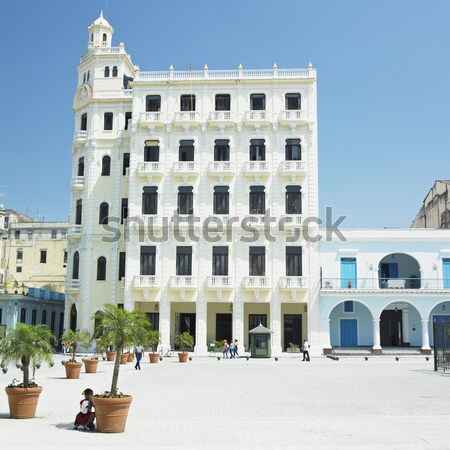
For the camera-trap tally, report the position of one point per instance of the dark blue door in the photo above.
(349, 333)
(440, 338)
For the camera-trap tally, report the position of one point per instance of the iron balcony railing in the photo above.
(383, 284)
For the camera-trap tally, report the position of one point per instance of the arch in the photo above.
(115, 71)
(103, 213)
(79, 212)
(73, 317)
(106, 166)
(101, 268)
(76, 266)
(44, 317)
(34, 317)
(399, 270)
(105, 37)
(106, 72)
(445, 307)
(23, 315)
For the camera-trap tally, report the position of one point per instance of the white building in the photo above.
(184, 146)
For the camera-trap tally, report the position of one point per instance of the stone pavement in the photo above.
(238, 404)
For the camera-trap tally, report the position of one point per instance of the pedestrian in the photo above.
(138, 351)
(225, 349)
(306, 347)
(231, 349)
(64, 348)
(85, 417)
(236, 354)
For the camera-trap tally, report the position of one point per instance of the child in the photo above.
(86, 417)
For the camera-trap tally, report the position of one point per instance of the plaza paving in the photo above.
(238, 404)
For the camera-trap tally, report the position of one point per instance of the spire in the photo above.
(100, 33)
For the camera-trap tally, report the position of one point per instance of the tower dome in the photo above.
(100, 33)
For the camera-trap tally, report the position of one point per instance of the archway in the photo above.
(73, 317)
(399, 271)
(440, 313)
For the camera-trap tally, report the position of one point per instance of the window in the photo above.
(293, 261)
(122, 262)
(220, 261)
(446, 272)
(44, 317)
(16, 234)
(19, 256)
(124, 210)
(103, 214)
(150, 200)
(120, 305)
(128, 116)
(108, 121)
(83, 126)
(185, 200)
(223, 102)
(43, 258)
(101, 268)
(33, 317)
(52, 321)
(115, 71)
(257, 260)
(78, 212)
(63, 234)
(19, 269)
(293, 102)
(106, 71)
(153, 103)
(222, 150)
(258, 102)
(187, 103)
(30, 234)
(81, 167)
(151, 151)
(88, 75)
(84, 77)
(104, 37)
(106, 166)
(293, 200)
(184, 261)
(54, 234)
(257, 150)
(221, 200)
(76, 266)
(348, 273)
(65, 257)
(23, 315)
(148, 260)
(186, 151)
(257, 200)
(348, 306)
(293, 150)
(126, 163)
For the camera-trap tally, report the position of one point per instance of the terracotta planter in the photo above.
(183, 357)
(154, 357)
(90, 365)
(123, 358)
(111, 413)
(110, 356)
(73, 370)
(130, 357)
(23, 402)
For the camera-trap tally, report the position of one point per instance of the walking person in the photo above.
(231, 349)
(225, 349)
(306, 347)
(236, 354)
(138, 351)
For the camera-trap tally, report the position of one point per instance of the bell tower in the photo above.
(100, 33)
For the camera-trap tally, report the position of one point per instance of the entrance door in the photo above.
(187, 323)
(154, 320)
(292, 330)
(391, 328)
(349, 332)
(224, 327)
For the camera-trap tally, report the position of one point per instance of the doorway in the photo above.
(224, 327)
(292, 330)
(187, 323)
(391, 328)
(349, 332)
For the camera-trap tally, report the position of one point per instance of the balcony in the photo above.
(220, 282)
(150, 169)
(290, 283)
(257, 118)
(291, 221)
(221, 168)
(183, 282)
(262, 283)
(185, 169)
(292, 169)
(77, 183)
(187, 118)
(257, 168)
(74, 231)
(151, 282)
(221, 119)
(152, 119)
(79, 136)
(292, 117)
(72, 285)
(387, 286)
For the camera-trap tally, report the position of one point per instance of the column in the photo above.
(238, 323)
(405, 326)
(425, 349)
(376, 349)
(275, 314)
(201, 347)
(327, 349)
(164, 322)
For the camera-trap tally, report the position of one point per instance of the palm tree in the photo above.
(121, 328)
(74, 339)
(152, 339)
(184, 341)
(29, 345)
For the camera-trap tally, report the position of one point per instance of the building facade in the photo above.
(435, 211)
(166, 166)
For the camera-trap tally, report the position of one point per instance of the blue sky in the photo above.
(383, 88)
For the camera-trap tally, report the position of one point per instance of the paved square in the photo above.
(239, 404)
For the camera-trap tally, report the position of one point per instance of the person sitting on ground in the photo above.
(86, 417)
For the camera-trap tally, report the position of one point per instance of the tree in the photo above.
(184, 341)
(74, 339)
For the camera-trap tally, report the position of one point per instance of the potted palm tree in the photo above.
(120, 327)
(152, 340)
(184, 341)
(74, 339)
(27, 345)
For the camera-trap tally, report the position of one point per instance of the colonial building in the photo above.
(160, 158)
(435, 210)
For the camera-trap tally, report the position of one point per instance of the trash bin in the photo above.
(260, 342)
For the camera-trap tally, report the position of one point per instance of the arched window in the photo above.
(84, 77)
(83, 122)
(23, 315)
(92, 37)
(114, 71)
(105, 38)
(81, 167)
(106, 166)
(76, 266)
(106, 71)
(103, 213)
(44, 317)
(88, 75)
(53, 321)
(293, 200)
(79, 212)
(73, 317)
(33, 317)
(101, 268)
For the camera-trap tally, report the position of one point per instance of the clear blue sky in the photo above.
(383, 86)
